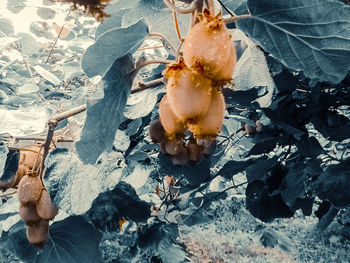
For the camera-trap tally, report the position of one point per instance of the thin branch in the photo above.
(58, 36)
(6, 195)
(177, 27)
(148, 85)
(65, 115)
(190, 9)
(164, 38)
(235, 18)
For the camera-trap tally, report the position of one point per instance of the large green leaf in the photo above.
(105, 115)
(310, 36)
(71, 240)
(112, 45)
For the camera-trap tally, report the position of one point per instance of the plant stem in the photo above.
(148, 85)
(163, 38)
(235, 18)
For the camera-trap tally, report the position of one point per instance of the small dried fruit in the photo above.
(208, 145)
(181, 158)
(29, 190)
(249, 129)
(188, 92)
(38, 233)
(195, 152)
(157, 132)
(45, 207)
(174, 146)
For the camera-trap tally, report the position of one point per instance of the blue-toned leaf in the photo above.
(251, 70)
(73, 186)
(310, 36)
(112, 45)
(6, 26)
(8, 177)
(112, 22)
(111, 206)
(105, 115)
(239, 7)
(46, 13)
(142, 103)
(71, 240)
(16, 6)
(333, 185)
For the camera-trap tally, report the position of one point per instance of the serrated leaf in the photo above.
(142, 103)
(310, 36)
(71, 240)
(239, 7)
(73, 185)
(105, 115)
(27, 88)
(259, 168)
(6, 26)
(251, 70)
(112, 45)
(47, 75)
(333, 185)
(121, 202)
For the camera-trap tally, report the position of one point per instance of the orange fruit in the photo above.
(208, 48)
(188, 92)
(171, 124)
(209, 125)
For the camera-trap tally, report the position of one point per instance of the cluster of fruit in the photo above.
(193, 102)
(35, 205)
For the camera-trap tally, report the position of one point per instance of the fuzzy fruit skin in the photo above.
(30, 159)
(210, 124)
(188, 92)
(29, 190)
(28, 214)
(208, 145)
(45, 208)
(38, 233)
(249, 130)
(171, 124)
(208, 48)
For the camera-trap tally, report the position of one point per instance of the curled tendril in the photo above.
(93, 7)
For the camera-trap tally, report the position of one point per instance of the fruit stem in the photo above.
(235, 18)
(148, 85)
(163, 38)
(190, 9)
(210, 6)
(177, 26)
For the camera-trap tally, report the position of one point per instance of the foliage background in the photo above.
(292, 76)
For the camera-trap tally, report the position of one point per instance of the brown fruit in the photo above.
(30, 159)
(172, 125)
(28, 214)
(45, 207)
(195, 152)
(29, 190)
(208, 145)
(210, 124)
(38, 233)
(181, 158)
(157, 132)
(188, 92)
(174, 146)
(259, 126)
(6, 183)
(208, 48)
